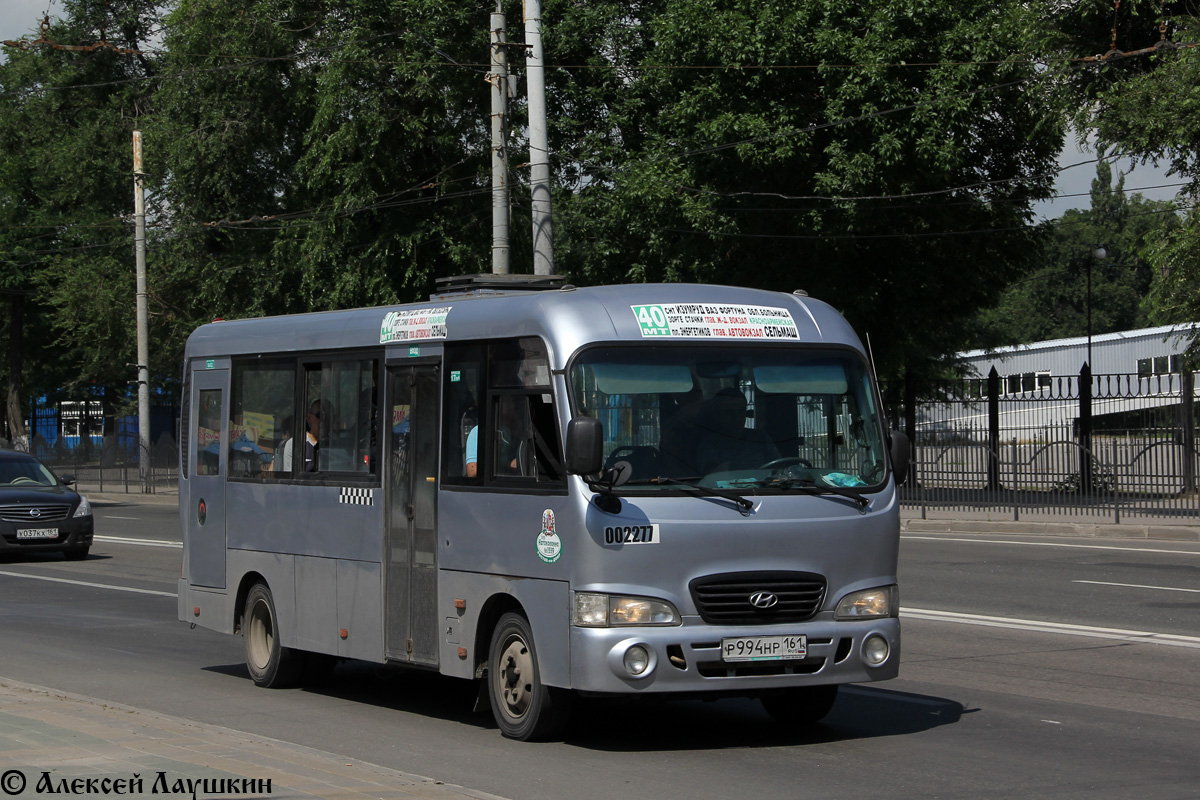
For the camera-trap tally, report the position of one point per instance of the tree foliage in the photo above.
(1151, 113)
(66, 122)
(306, 155)
(1053, 302)
(881, 156)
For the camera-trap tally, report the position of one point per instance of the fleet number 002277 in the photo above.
(631, 534)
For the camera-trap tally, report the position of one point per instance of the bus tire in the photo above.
(804, 705)
(525, 709)
(270, 664)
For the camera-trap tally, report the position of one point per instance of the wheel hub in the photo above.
(515, 678)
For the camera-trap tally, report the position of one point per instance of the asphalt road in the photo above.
(1032, 668)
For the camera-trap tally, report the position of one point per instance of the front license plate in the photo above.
(37, 533)
(764, 648)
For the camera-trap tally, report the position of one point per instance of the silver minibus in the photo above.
(556, 491)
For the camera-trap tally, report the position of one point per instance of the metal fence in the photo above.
(107, 465)
(1108, 448)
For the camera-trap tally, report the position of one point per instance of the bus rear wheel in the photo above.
(270, 664)
(801, 706)
(525, 709)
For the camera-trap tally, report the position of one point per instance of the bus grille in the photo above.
(758, 598)
(21, 512)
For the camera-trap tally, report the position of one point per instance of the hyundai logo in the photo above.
(35, 512)
(763, 600)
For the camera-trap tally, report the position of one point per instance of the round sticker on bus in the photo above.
(549, 546)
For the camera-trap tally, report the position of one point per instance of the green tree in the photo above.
(319, 155)
(1053, 301)
(882, 156)
(1151, 113)
(66, 117)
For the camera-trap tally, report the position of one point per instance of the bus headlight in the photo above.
(594, 610)
(869, 604)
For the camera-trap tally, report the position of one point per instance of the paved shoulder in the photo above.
(53, 742)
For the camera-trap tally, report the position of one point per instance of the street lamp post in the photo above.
(1099, 254)
(1085, 387)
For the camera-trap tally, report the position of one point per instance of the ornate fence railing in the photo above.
(1106, 448)
(106, 465)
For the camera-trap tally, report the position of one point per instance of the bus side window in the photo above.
(462, 416)
(208, 432)
(261, 400)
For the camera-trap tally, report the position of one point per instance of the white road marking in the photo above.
(86, 583)
(1054, 544)
(1139, 586)
(1141, 637)
(142, 542)
(109, 516)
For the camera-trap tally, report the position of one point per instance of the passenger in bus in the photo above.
(283, 451)
(471, 453)
(727, 443)
(509, 440)
(317, 410)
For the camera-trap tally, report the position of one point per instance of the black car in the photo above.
(39, 512)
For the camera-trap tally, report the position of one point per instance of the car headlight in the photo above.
(85, 508)
(594, 610)
(883, 601)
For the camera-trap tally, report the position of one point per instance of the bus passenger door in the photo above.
(411, 573)
(209, 417)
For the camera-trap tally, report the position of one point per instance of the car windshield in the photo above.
(24, 472)
(741, 417)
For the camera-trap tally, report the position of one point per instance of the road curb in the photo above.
(1089, 530)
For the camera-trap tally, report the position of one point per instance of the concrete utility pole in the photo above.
(539, 145)
(143, 315)
(498, 78)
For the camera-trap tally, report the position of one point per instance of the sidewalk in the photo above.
(163, 497)
(1063, 525)
(52, 742)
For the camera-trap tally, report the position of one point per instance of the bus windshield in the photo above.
(746, 417)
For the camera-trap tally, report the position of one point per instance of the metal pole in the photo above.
(539, 144)
(498, 78)
(993, 467)
(1089, 311)
(143, 315)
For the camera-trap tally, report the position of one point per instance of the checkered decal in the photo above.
(356, 497)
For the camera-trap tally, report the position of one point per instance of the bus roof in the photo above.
(566, 317)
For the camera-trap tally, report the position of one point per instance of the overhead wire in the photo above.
(313, 214)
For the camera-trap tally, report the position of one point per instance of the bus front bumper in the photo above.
(689, 657)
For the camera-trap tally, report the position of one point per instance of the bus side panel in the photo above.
(215, 607)
(360, 610)
(499, 533)
(316, 617)
(546, 604)
(305, 520)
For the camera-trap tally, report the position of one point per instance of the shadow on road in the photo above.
(656, 723)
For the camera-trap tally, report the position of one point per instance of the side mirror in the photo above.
(585, 446)
(66, 480)
(900, 456)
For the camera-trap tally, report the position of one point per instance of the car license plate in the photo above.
(37, 533)
(764, 648)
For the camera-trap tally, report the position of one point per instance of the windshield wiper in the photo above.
(689, 486)
(809, 486)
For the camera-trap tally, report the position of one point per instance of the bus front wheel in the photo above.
(270, 664)
(524, 707)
